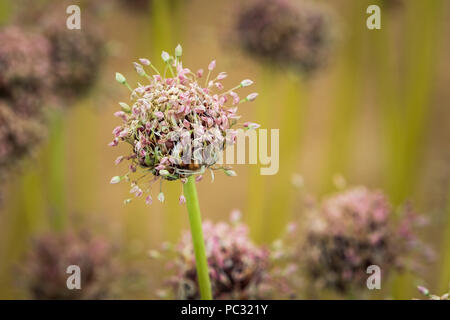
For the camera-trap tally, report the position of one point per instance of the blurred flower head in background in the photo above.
(19, 135)
(24, 79)
(24, 70)
(238, 268)
(76, 55)
(351, 231)
(294, 34)
(178, 125)
(44, 268)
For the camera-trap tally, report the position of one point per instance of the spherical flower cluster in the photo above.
(238, 268)
(23, 82)
(19, 135)
(44, 269)
(177, 125)
(76, 55)
(282, 32)
(424, 291)
(24, 69)
(350, 232)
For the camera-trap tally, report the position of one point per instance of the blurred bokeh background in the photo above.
(376, 114)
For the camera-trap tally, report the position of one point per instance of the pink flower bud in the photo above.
(182, 199)
(252, 96)
(423, 290)
(212, 65)
(200, 73)
(148, 200)
(144, 61)
(114, 143)
(251, 125)
(246, 83)
(119, 160)
(222, 76)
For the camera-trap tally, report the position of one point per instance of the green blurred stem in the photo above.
(291, 133)
(56, 168)
(256, 205)
(195, 220)
(5, 11)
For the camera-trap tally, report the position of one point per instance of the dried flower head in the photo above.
(238, 268)
(76, 55)
(24, 69)
(351, 231)
(19, 136)
(44, 269)
(298, 35)
(424, 291)
(177, 124)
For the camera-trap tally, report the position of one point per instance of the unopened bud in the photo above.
(145, 62)
(125, 107)
(423, 290)
(251, 125)
(178, 51)
(246, 83)
(120, 78)
(230, 173)
(165, 56)
(212, 65)
(115, 180)
(252, 96)
(163, 173)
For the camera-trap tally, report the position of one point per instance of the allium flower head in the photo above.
(24, 69)
(76, 55)
(19, 135)
(289, 33)
(238, 268)
(44, 269)
(178, 123)
(351, 231)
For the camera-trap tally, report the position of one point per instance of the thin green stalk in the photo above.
(195, 220)
(5, 11)
(291, 134)
(347, 107)
(257, 188)
(56, 171)
(406, 118)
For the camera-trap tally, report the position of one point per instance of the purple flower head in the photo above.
(24, 80)
(177, 123)
(289, 33)
(238, 268)
(351, 231)
(76, 55)
(24, 70)
(19, 136)
(44, 269)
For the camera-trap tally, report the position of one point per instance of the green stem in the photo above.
(56, 172)
(195, 220)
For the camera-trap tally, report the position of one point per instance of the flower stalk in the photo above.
(195, 220)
